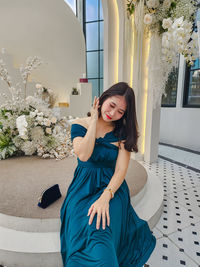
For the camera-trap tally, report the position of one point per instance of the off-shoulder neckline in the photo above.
(98, 137)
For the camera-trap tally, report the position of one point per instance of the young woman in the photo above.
(99, 226)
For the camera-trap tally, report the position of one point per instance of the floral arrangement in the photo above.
(47, 94)
(173, 20)
(27, 125)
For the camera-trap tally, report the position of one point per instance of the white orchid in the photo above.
(178, 23)
(176, 40)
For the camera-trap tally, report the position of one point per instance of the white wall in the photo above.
(180, 126)
(48, 29)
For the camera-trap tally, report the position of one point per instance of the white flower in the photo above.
(148, 19)
(39, 119)
(38, 86)
(167, 3)
(30, 100)
(166, 23)
(40, 114)
(48, 130)
(176, 40)
(37, 133)
(17, 141)
(28, 148)
(178, 22)
(24, 136)
(32, 114)
(57, 129)
(50, 91)
(53, 119)
(21, 125)
(153, 3)
(47, 122)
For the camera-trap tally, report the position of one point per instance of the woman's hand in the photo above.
(101, 207)
(94, 109)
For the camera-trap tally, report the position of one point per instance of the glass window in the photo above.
(72, 4)
(93, 30)
(192, 79)
(101, 86)
(171, 88)
(92, 65)
(101, 34)
(91, 10)
(101, 10)
(194, 88)
(95, 87)
(92, 36)
(101, 64)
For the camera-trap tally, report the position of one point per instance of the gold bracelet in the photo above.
(109, 189)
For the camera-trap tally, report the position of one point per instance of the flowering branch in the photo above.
(4, 74)
(28, 126)
(32, 63)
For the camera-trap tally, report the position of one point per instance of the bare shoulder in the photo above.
(81, 121)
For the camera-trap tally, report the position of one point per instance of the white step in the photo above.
(42, 249)
(150, 206)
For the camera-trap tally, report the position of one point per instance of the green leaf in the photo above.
(173, 4)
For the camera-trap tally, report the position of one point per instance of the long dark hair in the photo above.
(127, 127)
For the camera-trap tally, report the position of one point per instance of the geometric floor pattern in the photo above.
(178, 230)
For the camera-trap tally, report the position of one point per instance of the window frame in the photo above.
(99, 78)
(173, 105)
(187, 80)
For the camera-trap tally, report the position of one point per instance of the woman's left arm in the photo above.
(120, 169)
(101, 205)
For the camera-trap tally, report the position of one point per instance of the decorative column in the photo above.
(144, 71)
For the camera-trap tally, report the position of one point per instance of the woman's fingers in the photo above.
(94, 102)
(98, 219)
(92, 216)
(108, 217)
(103, 220)
(90, 210)
(100, 213)
(97, 102)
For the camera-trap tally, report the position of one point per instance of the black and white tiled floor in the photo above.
(184, 156)
(178, 230)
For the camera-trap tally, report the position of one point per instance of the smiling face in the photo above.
(113, 108)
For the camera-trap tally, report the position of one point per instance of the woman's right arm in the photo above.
(84, 146)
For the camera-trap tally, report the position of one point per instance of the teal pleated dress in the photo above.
(128, 241)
